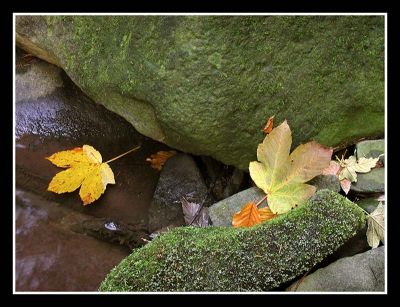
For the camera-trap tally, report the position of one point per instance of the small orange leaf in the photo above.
(247, 216)
(269, 125)
(266, 214)
(158, 159)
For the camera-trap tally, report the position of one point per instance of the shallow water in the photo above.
(52, 114)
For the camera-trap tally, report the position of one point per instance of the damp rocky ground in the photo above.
(64, 246)
(60, 244)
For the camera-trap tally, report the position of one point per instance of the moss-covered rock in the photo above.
(248, 259)
(207, 84)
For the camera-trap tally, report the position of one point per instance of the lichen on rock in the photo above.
(259, 258)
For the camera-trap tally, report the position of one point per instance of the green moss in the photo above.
(211, 81)
(251, 259)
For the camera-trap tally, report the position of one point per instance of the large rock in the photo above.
(362, 272)
(259, 258)
(207, 84)
(180, 179)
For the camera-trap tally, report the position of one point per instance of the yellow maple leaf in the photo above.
(85, 170)
(281, 174)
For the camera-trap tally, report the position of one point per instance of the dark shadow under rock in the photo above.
(180, 179)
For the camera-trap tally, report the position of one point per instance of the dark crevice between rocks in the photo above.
(222, 180)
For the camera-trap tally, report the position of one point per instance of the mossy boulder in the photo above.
(207, 84)
(259, 258)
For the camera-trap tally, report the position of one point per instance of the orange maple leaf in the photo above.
(250, 215)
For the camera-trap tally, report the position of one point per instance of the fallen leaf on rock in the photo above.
(282, 176)
(250, 215)
(247, 216)
(269, 125)
(158, 159)
(350, 167)
(85, 170)
(190, 210)
(376, 228)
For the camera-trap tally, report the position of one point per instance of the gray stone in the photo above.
(362, 272)
(221, 213)
(330, 182)
(180, 178)
(368, 204)
(371, 182)
(371, 149)
(207, 84)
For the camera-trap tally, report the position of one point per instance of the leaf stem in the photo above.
(121, 155)
(261, 200)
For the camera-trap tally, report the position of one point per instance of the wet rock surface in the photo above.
(180, 179)
(51, 257)
(52, 114)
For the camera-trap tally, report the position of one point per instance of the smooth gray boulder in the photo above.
(362, 272)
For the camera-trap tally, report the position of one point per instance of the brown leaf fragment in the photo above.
(190, 210)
